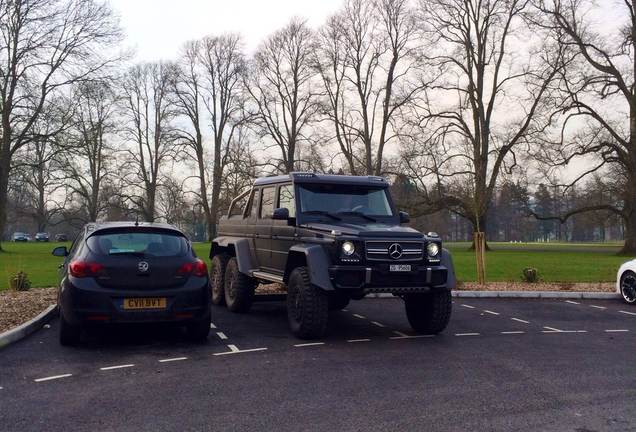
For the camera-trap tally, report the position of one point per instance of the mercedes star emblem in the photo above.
(395, 251)
(142, 266)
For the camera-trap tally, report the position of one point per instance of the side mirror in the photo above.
(281, 214)
(404, 217)
(60, 251)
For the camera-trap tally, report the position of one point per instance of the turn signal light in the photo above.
(82, 269)
(197, 268)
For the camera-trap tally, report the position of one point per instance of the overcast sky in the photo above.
(156, 29)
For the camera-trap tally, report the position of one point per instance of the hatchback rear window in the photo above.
(159, 244)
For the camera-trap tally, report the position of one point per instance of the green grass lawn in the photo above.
(556, 262)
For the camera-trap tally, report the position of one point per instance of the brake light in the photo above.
(82, 269)
(197, 268)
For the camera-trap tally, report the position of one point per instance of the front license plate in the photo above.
(400, 268)
(145, 303)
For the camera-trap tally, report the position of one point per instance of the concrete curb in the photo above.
(524, 294)
(24, 330)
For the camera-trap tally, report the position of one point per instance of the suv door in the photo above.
(283, 231)
(263, 231)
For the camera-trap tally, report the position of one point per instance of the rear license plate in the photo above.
(145, 303)
(400, 267)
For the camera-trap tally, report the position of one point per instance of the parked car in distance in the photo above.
(20, 237)
(128, 272)
(626, 282)
(329, 239)
(42, 237)
(61, 237)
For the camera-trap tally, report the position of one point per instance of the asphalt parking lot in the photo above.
(502, 364)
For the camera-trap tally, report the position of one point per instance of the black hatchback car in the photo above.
(128, 272)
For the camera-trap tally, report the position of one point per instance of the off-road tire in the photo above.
(69, 333)
(628, 297)
(338, 302)
(199, 330)
(429, 313)
(217, 279)
(239, 288)
(307, 306)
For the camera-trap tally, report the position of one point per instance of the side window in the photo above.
(286, 199)
(267, 207)
(255, 202)
(238, 206)
(76, 243)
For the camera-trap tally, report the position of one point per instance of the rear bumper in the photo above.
(379, 279)
(92, 304)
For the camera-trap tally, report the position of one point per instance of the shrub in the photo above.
(530, 275)
(20, 282)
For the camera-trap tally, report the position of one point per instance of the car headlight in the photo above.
(432, 249)
(348, 248)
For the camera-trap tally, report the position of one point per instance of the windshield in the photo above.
(158, 244)
(338, 199)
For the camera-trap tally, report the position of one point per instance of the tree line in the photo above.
(458, 102)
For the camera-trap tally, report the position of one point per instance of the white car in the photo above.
(626, 281)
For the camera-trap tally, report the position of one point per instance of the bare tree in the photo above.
(89, 156)
(601, 94)
(282, 89)
(492, 97)
(210, 90)
(148, 127)
(366, 61)
(46, 46)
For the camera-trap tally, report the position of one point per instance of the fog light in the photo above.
(348, 248)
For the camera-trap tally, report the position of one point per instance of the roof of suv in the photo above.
(308, 177)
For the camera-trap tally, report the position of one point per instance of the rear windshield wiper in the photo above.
(134, 253)
(357, 213)
(322, 212)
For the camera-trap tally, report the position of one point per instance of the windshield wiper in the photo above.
(322, 212)
(134, 253)
(357, 213)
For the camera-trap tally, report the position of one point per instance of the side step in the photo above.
(267, 276)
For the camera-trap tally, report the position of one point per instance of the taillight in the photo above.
(196, 268)
(82, 269)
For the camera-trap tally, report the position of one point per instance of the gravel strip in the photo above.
(539, 286)
(17, 307)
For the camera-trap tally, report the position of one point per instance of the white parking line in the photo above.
(491, 312)
(172, 359)
(378, 324)
(616, 331)
(54, 377)
(598, 307)
(116, 367)
(358, 340)
(628, 313)
(468, 306)
(520, 320)
(309, 344)
(411, 337)
(513, 332)
(359, 316)
(221, 335)
(466, 334)
(212, 325)
(235, 350)
(552, 330)
(572, 302)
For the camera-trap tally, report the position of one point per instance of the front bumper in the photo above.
(377, 278)
(92, 304)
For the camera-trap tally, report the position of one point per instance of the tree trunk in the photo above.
(629, 218)
(4, 192)
(482, 228)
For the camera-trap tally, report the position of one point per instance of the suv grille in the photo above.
(395, 250)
